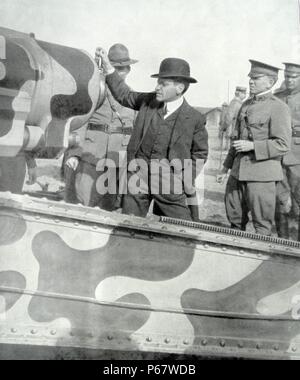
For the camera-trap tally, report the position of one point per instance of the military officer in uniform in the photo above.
(106, 137)
(262, 137)
(222, 126)
(232, 112)
(288, 191)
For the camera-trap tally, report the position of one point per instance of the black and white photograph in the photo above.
(149, 182)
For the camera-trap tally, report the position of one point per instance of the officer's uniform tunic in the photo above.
(265, 120)
(106, 137)
(291, 165)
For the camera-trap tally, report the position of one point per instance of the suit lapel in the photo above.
(180, 123)
(151, 113)
(148, 115)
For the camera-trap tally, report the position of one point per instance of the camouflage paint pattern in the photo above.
(46, 92)
(76, 277)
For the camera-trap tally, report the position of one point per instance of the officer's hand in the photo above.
(32, 176)
(102, 60)
(72, 163)
(243, 146)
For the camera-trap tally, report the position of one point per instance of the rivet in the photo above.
(164, 228)
(204, 342)
(222, 343)
(132, 233)
(276, 347)
(145, 225)
(206, 246)
(241, 345)
(242, 251)
(94, 227)
(186, 342)
(258, 346)
(53, 332)
(151, 236)
(167, 340)
(76, 224)
(13, 330)
(126, 221)
(148, 339)
(109, 337)
(37, 217)
(294, 349)
(129, 339)
(224, 249)
(33, 331)
(182, 231)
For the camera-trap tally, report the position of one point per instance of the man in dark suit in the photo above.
(167, 130)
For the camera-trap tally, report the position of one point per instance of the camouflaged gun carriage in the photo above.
(82, 282)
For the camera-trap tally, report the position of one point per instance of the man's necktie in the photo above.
(164, 110)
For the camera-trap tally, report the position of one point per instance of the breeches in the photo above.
(258, 198)
(290, 186)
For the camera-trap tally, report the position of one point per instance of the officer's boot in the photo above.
(282, 225)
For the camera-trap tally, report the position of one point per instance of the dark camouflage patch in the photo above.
(95, 265)
(80, 103)
(65, 270)
(14, 280)
(12, 228)
(243, 297)
(18, 72)
(63, 107)
(86, 317)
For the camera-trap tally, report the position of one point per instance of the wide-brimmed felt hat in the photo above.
(175, 68)
(118, 55)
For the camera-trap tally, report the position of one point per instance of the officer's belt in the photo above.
(296, 131)
(109, 129)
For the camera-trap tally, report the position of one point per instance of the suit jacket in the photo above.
(293, 102)
(266, 121)
(189, 139)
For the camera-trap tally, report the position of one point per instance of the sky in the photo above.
(216, 37)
